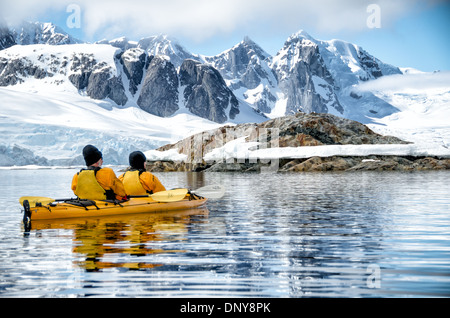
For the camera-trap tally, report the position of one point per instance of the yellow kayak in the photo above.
(39, 208)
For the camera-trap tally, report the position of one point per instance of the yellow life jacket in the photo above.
(88, 187)
(132, 184)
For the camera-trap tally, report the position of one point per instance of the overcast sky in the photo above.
(406, 33)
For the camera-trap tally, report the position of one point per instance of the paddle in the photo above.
(210, 192)
(34, 200)
(169, 196)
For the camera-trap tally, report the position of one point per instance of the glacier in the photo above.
(51, 129)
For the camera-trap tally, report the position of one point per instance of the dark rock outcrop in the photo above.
(81, 69)
(14, 70)
(206, 93)
(369, 163)
(134, 63)
(6, 36)
(102, 85)
(159, 93)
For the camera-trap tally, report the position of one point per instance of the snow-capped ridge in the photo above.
(28, 33)
(301, 34)
(168, 46)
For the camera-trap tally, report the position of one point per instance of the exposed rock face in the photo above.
(13, 70)
(324, 129)
(314, 164)
(206, 93)
(85, 72)
(159, 94)
(98, 78)
(134, 63)
(82, 67)
(297, 130)
(370, 65)
(102, 85)
(243, 62)
(304, 77)
(6, 37)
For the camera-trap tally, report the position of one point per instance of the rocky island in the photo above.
(293, 133)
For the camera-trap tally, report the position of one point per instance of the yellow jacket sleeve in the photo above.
(151, 182)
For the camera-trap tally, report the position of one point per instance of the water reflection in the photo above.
(123, 241)
(281, 235)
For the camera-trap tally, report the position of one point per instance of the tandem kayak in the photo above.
(36, 208)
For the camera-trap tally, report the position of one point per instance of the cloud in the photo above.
(417, 81)
(202, 19)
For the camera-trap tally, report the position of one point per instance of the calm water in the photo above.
(272, 235)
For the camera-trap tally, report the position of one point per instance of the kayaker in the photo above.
(137, 180)
(95, 182)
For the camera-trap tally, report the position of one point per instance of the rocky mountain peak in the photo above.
(301, 34)
(235, 62)
(166, 46)
(304, 77)
(28, 33)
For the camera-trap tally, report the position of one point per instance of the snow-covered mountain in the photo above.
(306, 75)
(28, 33)
(58, 94)
(154, 46)
(246, 70)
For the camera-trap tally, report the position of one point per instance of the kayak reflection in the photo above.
(124, 241)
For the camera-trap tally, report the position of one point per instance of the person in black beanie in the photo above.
(137, 160)
(95, 182)
(92, 156)
(137, 180)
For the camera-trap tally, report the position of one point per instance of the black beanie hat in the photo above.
(137, 160)
(91, 155)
